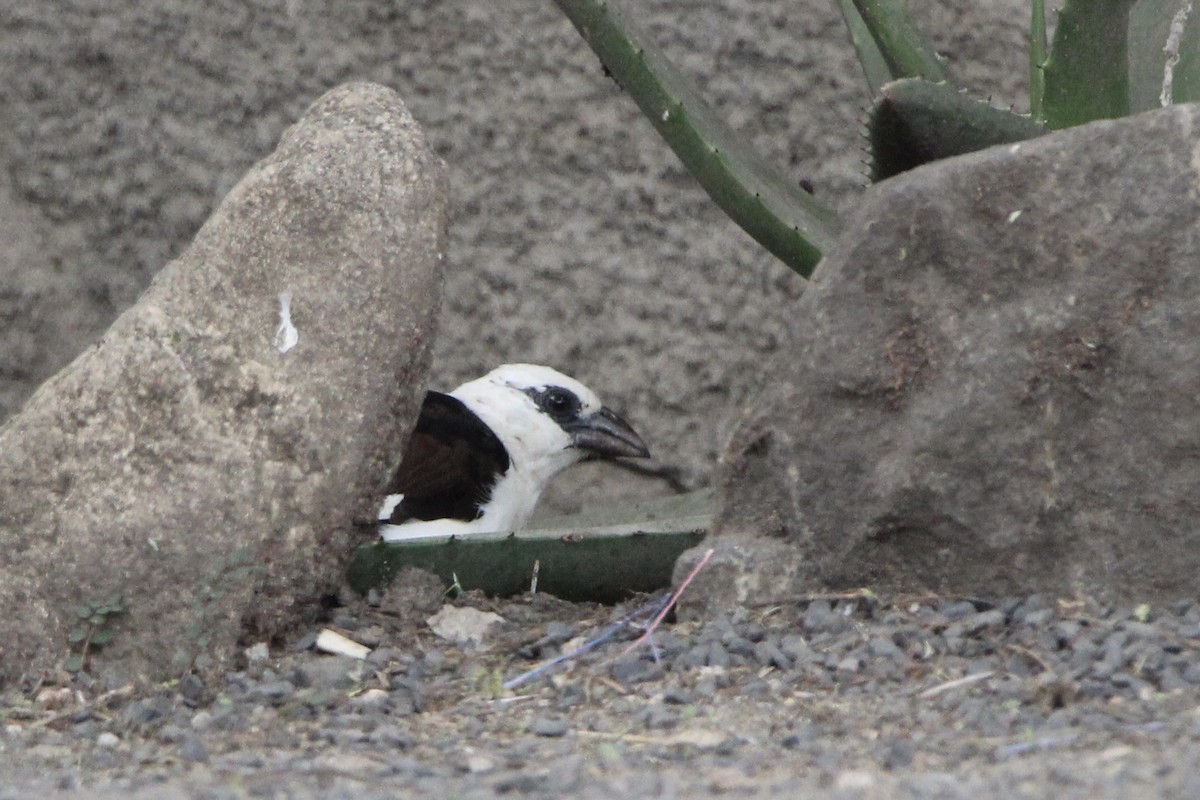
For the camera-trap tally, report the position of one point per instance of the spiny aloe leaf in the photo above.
(903, 47)
(915, 122)
(1086, 75)
(577, 558)
(777, 213)
(1164, 53)
(1037, 58)
(874, 65)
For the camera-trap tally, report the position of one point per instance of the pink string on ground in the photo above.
(654, 623)
(639, 613)
(663, 606)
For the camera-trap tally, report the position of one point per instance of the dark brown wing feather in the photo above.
(450, 463)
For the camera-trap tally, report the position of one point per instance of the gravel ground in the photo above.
(841, 696)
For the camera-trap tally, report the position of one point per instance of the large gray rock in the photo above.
(189, 463)
(996, 385)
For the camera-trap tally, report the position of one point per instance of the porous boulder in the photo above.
(205, 461)
(996, 387)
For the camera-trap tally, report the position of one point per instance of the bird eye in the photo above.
(559, 403)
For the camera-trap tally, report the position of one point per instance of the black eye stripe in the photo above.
(559, 403)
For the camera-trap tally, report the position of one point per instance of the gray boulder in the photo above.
(194, 463)
(996, 384)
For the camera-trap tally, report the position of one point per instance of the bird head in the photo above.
(548, 420)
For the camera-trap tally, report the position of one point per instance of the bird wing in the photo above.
(450, 464)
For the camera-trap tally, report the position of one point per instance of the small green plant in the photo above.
(1110, 58)
(94, 630)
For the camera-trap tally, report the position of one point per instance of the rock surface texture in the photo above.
(994, 387)
(192, 461)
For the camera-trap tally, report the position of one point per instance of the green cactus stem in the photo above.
(1037, 58)
(601, 556)
(1086, 75)
(901, 44)
(874, 65)
(775, 211)
(603, 569)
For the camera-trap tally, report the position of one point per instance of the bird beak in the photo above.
(605, 435)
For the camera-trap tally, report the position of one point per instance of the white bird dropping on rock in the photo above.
(287, 335)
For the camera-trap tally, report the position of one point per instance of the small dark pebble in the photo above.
(192, 749)
(1068, 629)
(694, 658)
(985, 621)
(229, 719)
(898, 753)
(718, 627)
(382, 656)
(710, 684)
(326, 672)
(1172, 681)
(883, 647)
(149, 714)
(558, 633)
(717, 656)
(768, 654)
(753, 631)
(819, 616)
(408, 696)
(730, 745)
(347, 737)
(635, 670)
(237, 683)
(519, 783)
(172, 734)
(369, 635)
(563, 776)
(392, 736)
(274, 692)
(657, 717)
(550, 727)
(809, 734)
(739, 646)
(795, 647)
(1037, 618)
(958, 610)
(192, 690)
(678, 697)
(571, 695)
